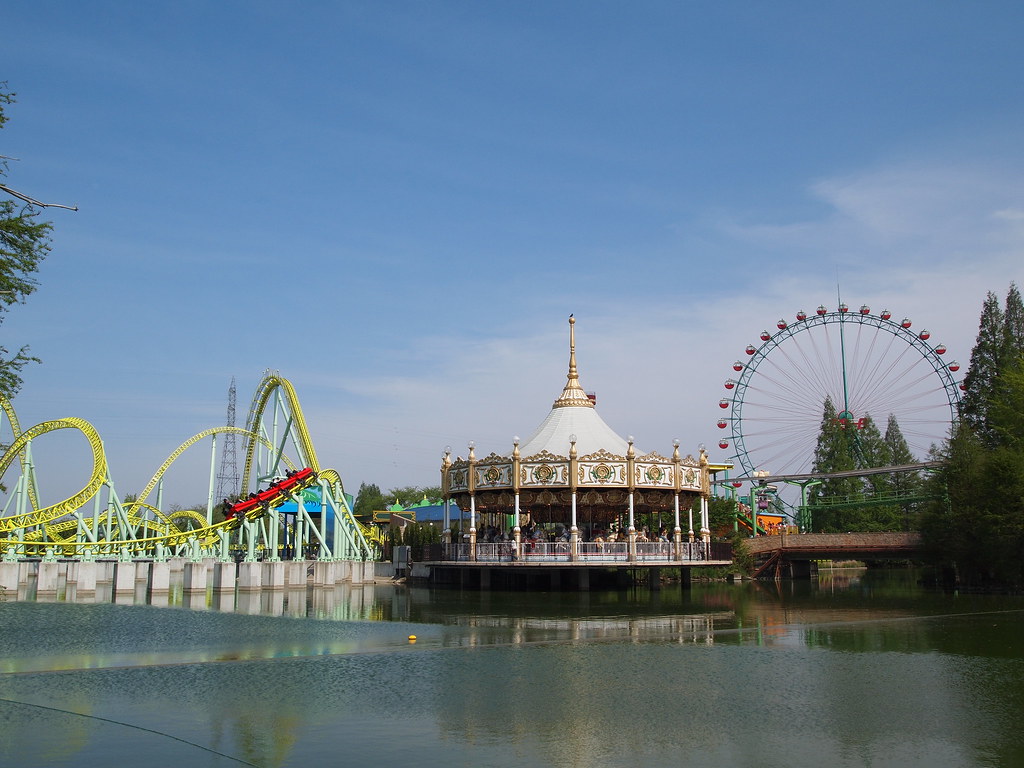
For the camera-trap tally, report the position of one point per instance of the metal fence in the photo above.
(588, 552)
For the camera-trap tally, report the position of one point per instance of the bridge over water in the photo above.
(791, 554)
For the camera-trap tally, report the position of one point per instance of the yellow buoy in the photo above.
(412, 638)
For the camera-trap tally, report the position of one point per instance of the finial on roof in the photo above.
(573, 394)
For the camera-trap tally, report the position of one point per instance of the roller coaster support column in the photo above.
(248, 531)
(273, 522)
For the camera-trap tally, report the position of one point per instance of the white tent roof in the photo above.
(592, 434)
(573, 413)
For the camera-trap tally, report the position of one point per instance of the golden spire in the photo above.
(573, 394)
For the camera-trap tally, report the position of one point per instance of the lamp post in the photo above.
(471, 481)
(574, 531)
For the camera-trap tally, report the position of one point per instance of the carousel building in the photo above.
(576, 478)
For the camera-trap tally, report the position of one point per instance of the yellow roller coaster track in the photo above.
(54, 511)
(12, 418)
(180, 450)
(65, 529)
(54, 524)
(259, 403)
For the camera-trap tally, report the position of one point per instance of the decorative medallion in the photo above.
(690, 477)
(655, 474)
(492, 475)
(543, 474)
(602, 473)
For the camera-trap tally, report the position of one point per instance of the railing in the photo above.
(614, 551)
(546, 552)
(455, 552)
(587, 552)
(496, 552)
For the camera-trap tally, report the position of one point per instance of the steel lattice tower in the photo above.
(228, 480)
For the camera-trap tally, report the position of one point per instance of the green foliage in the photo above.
(24, 243)
(979, 529)
(368, 500)
(415, 535)
(835, 452)
(843, 446)
(902, 483)
(412, 494)
(721, 514)
(999, 344)
(742, 560)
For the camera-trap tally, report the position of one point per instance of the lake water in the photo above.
(856, 669)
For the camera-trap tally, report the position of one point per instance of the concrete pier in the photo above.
(224, 577)
(324, 573)
(195, 577)
(46, 579)
(250, 576)
(9, 576)
(159, 578)
(273, 575)
(166, 582)
(295, 574)
(124, 582)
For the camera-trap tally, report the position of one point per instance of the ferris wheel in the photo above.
(868, 365)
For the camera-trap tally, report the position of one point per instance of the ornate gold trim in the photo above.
(573, 394)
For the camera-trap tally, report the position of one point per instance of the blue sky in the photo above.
(397, 205)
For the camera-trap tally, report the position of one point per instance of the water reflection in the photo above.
(858, 669)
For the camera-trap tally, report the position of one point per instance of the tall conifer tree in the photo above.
(901, 483)
(834, 453)
(986, 358)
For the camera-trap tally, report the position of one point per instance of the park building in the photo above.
(576, 493)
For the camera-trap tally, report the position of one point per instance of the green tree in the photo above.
(902, 483)
(24, 243)
(368, 500)
(834, 452)
(721, 515)
(986, 359)
(977, 531)
(875, 451)
(412, 494)
(1013, 325)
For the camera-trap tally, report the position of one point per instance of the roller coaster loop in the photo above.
(94, 522)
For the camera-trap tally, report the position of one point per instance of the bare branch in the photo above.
(31, 201)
